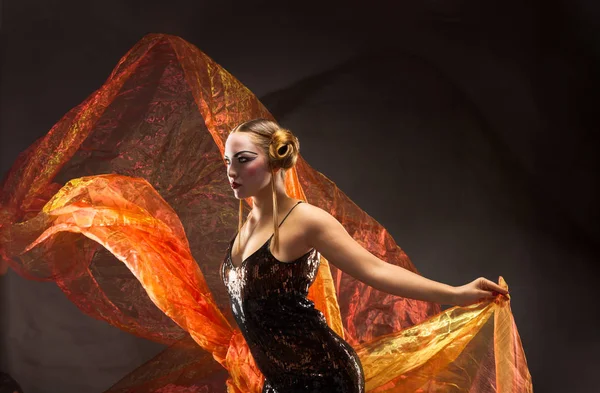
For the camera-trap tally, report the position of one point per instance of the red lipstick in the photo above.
(235, 185)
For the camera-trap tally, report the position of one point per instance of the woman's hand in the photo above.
(477, 290)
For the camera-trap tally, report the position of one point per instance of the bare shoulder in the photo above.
(316, 221)
(328, 236)
(312, 215)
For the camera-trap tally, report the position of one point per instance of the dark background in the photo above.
(465, 127)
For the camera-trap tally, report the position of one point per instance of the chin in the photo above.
(244, 192)
(239, 195)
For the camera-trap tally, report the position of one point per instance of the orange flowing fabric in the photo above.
(126, 206)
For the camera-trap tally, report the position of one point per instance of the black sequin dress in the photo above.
(289, 339)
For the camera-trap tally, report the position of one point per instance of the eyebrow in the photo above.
(240, 152)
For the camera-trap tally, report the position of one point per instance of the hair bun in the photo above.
(284, 148)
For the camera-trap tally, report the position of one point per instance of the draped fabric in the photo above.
(125, 204)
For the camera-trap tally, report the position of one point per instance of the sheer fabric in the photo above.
(125, 205)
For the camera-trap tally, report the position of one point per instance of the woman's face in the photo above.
(247, 165)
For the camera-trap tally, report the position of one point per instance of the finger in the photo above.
(487, 296)
(484, 295)
(486, 299)
(492, 286)
(494, 295)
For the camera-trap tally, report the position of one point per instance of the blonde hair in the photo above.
(281, 148)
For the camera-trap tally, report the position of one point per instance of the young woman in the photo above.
(270, 266)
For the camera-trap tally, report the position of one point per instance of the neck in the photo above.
(262, 203)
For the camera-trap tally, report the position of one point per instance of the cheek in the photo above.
(256, 169)
(252, 169)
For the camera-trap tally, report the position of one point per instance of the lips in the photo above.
(235, 185)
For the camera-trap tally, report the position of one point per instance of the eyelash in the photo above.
(240, 160)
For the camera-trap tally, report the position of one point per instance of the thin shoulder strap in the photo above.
(286, 216)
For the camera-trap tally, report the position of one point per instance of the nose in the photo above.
(231, 172)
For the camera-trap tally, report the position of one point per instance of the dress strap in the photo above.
(286, 216)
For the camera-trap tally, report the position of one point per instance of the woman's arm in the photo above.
(330, 238)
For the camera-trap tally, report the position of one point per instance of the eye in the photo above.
(243, 159)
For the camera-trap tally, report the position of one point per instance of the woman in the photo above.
(269, 268)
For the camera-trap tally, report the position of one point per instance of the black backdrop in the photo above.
(465, 127)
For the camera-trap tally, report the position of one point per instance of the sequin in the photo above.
(288, 337)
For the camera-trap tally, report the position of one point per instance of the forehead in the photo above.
(239, 141)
